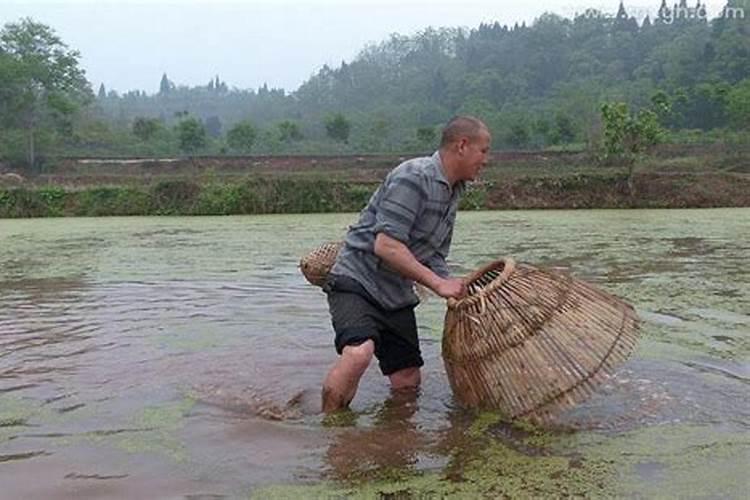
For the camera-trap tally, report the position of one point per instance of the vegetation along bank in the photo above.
(262, 185)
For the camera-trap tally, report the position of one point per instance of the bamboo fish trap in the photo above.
(316, 264)
(531, 342)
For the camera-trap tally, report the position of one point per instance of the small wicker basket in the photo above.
(316, 264)
(531, 342)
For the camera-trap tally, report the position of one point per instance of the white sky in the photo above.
(129, 44)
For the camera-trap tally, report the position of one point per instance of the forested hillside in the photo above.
(537, 86)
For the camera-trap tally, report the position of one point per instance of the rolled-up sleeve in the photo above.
(437, 264)
(401, 201)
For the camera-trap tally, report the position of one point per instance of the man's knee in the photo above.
(359, 356)
(406, 378)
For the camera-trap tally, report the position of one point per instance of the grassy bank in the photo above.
(183, 197)
(300, 194)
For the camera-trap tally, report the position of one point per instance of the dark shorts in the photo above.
(356, 318)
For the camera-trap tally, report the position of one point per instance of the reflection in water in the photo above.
(167, 357)
(387, 448)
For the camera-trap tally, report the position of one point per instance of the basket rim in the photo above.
(509, 267)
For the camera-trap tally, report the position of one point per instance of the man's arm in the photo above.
(437, 265)
(399, 257)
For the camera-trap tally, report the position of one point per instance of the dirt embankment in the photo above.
(290, 184)
(651, 190)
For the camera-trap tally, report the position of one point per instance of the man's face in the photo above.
(474, 155)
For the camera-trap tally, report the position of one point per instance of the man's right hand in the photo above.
(450, 288)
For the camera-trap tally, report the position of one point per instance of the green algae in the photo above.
(684, 460)
(15, 414)
(480, 465)
(692, 298)
(160, 426)
(674, 461)
(190, 341)
(15, 411)
(496, 472)
(503, 472)
(153, 430)
(521, 464)
(482, 423)
(342, 418)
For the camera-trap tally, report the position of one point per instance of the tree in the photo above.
(241, 137)
(377, 134)
(739, 104)
(219, 86)
(426, 136)
(191, 134)
(338, 128)
(42, 83)
(628, 135)
(501, 75)
(518, 136)
(565, 130)
(166, 85)
(213, 126)
(145, 128)
(289, 131)
(102, 92)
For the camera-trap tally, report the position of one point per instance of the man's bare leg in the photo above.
(408, 378)
(342, 380)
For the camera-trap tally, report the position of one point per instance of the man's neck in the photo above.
(450, 166)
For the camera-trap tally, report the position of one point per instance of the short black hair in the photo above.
(461, 126)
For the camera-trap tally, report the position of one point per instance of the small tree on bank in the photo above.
(191, 135)
(628, 135)
(739, 105)
(289, 131)
(145, 128)
(338, 128)
(241, 137)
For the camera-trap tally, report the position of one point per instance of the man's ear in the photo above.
(462, 144)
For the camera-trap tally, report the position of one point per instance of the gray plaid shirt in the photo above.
(415, 205)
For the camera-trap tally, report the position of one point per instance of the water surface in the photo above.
(170, 357)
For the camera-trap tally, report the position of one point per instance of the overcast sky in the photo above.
(129, 44)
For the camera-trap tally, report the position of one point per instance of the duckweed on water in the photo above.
(15, 412)
(528, 462)
(672, 423)
(17, 415)
(676, 461)
(160, 425)
(191, 341)
(14, 415)
(479, 466)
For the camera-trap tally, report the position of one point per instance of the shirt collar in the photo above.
(439, 168)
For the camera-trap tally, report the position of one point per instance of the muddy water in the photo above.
(182, 357)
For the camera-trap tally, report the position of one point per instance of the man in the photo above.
(403, 235)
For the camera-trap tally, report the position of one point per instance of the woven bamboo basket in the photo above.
(316, 264)
(531, 342)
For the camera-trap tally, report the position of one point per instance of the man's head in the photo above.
(464, 147)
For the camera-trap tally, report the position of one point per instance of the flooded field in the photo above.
(182, 357)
